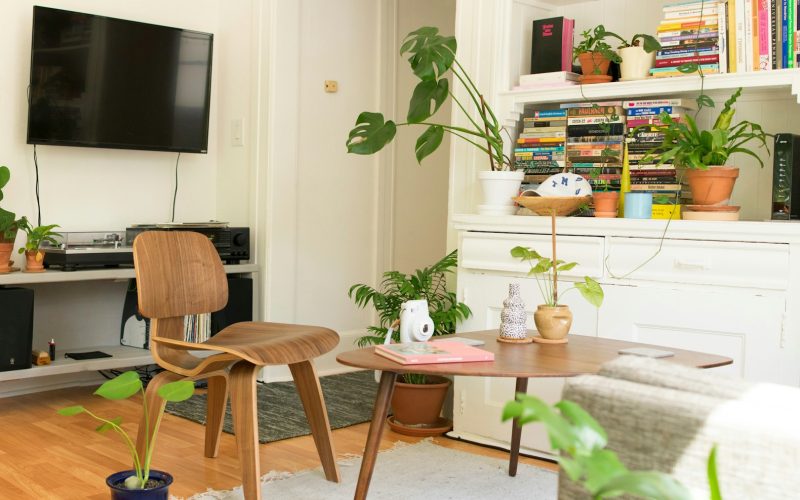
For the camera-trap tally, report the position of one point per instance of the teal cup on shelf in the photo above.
(638, 205)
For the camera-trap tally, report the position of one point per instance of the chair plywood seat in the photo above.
(180, 273)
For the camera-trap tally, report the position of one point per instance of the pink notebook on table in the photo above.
(421, 353)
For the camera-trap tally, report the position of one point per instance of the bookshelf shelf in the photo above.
(118, 273)
(780, 81)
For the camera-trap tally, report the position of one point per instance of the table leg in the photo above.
(379, 414)
(516, 430)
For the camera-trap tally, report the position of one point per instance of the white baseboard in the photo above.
(494, 443)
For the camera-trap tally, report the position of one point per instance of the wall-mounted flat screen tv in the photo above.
(103, 82)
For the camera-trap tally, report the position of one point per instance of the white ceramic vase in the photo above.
(499, 187)
(636, 63)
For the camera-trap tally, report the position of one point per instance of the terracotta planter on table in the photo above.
(713, 186)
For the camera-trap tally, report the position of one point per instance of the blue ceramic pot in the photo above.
(160, 493)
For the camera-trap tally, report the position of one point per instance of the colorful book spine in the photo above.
(764, 36)
(722, 21)
(731, 34)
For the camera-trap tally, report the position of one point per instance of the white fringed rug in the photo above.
(421, 471)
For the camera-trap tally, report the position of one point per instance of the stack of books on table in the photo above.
(643, 153)
(555, 79)
(595, 135)
(690, 33)
(540, 146)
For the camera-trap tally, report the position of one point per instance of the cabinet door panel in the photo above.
(745, 326)
(478, 402)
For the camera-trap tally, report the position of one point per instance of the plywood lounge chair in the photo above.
(180, 273)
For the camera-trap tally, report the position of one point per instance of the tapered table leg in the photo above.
(516, 431)
(379, 414)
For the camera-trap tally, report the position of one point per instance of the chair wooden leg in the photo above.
(215, 413)
(155, 406)
(245, 425)
(307, 383)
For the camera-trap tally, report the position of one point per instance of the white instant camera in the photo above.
(415, 323)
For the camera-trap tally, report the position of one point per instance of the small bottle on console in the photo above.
(52, 348)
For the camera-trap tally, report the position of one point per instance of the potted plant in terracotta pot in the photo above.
(34, 254)
(553, 319)
(638, 56)
(417, 399)
(432, 58)
(704, 153)
(595, 55)
(140, 483)
(8, 226)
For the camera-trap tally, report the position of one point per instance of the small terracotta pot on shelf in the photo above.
(594, 66)
(605, 203)
(552, 323)
(713, 186)
(34, 261)
(5, 256)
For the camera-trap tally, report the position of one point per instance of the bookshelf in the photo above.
(727, 288)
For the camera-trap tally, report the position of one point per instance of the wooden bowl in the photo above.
(544, 205)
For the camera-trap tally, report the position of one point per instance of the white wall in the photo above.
(105, 189)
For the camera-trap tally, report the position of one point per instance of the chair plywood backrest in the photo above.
(178, 273)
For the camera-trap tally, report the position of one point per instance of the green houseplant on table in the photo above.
(8, 226)
(417, 399)
(142, 482)
(432, 58)
(34, 255)
(553, 319)
(704, 153)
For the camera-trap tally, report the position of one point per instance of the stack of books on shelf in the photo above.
(595, 135)
(729, 36)
(554, 79)
(540, 147)
(643, 153)
(690, 33)
(197, 327)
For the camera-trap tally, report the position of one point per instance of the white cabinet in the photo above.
(706, 292)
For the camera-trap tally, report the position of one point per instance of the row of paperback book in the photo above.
(613, 144)
(197, 327)
(728, 36)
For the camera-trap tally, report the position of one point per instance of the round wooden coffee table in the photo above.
(581, 355)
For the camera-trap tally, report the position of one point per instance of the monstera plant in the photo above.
(432, 58)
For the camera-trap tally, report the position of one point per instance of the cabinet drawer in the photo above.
(756, 265)
(492, 252)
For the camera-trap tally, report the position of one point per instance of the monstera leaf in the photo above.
(370, 134)
(428, 142)
(431, 53)
(427, 93)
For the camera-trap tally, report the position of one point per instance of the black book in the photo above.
(551, 37)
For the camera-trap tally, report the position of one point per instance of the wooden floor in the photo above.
(46, 456)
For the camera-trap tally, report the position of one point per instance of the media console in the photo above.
(81, 310)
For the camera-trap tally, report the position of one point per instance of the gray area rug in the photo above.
(422, 471)
(349, 398)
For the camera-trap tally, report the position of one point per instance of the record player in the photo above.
(85, 249)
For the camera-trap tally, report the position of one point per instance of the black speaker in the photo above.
(16, 328)
(239, 307)
(786, 177)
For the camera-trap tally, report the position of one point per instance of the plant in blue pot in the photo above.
(140, 483)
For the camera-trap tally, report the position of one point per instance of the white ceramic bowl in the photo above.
(565, 184)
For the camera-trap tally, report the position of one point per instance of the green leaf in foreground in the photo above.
(177, 391)
(370, 134)
(71, 410)
(121, 387)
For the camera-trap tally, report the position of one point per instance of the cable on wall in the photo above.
(175, 194)
(38, 203)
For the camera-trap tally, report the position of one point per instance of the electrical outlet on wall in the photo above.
(331, 86)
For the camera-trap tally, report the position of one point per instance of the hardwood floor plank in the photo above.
(44, 455)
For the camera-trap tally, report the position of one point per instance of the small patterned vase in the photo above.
(513, 317)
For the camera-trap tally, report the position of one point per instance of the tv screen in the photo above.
(103, 82)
